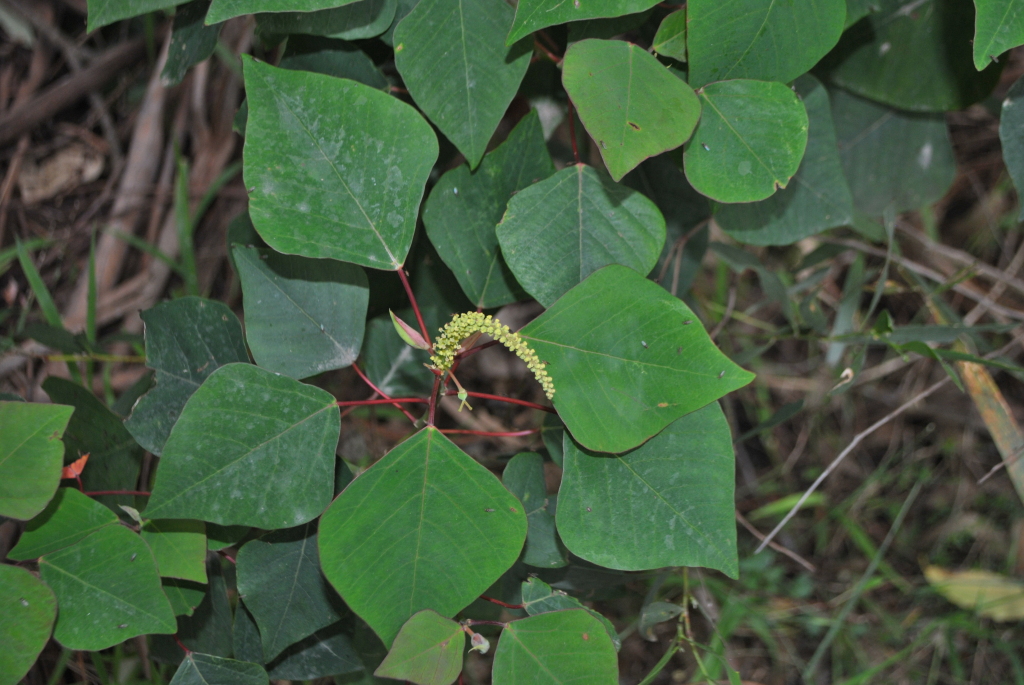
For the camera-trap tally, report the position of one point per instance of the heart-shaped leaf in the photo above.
(450, 526)
(335, 169)
(627, 359)
(427, 651)
(557, 232)
(670, 40)
(178, 546)
(251, 448)
(554, 649)
(631, 105)
(27, 611)
(750, 140)
(203, 669)
(31, 456)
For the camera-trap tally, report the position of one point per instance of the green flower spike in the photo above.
(464, 325)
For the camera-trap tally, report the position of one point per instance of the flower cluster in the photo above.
(464, 325)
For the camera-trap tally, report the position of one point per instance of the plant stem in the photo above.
(380, 392)
(415, 306)
(490, 434)
(510, 400)
(572, 133)
(392, 400)
(503, 604)
(433, 400)
(97, 493)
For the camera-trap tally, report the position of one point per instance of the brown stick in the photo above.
(25, 117)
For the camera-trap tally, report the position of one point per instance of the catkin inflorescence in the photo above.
(464, 325)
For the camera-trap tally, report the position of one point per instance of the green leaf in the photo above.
(357, 20)
(27, 611)
(670, 40)
(326, 652)
(393, 366)
(279, 580)
(999, 26)
(654, 613)
(114, 457)
(191, 41)
(302, 316)
(750, 140)
(108, 590)
(245, 636)
(103, 12)
(336, 169)
(524, 478)
(894, 161)
(427, 651)
(554, 649)
(208, 629)
(1011, 135)
(532, 15)
(31, 456)
(219, 537)
(539, 598)
(227, 9)
(69, 517)
(409, 335)
(333, 58)
(918, 59)
(451, 57)
(754, 39)
(464, 207)
(669, 502)
(184, 595)
(186, 340)
(551, 432)
(607, 28)
(203, 669)
(631, 105)
(179, 547)
(818, 197)
(557, 232)
(251, 448)
(452, 530)
(626, 360)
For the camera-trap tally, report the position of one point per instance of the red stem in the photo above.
(550, 55)
(97, 493)
(500, 603)
(490, 434)
(572, 133)
(510, 400)
(382, 393)
(474, 350)
(227, 556)
(392, 400)
(433, 400)
(180, 644)
(415, 307)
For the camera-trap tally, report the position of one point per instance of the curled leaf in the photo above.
(409, 334)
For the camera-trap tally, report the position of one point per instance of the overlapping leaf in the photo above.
(451, 56)
(557, 232)
(326, 652)
(524, 478)
(750, 140)
(450, 528)
(753, 39)
(335, 169)
(816, 199)
(631, 105)
(186, 340)
(69, 517)
(31, 455)
(539, 598)
(27, 611)
(251, 448)
(670, 40)
(203, 669)
(331, 57)
(554, 649)
(103, 12)
(1011, 136)
(191, 40)
(178, 546)
(627, 359)
(999, 26)
(353, 21)
(227, 9)
(532, 15)
(464, 207)
(669, 502)
(427, 651)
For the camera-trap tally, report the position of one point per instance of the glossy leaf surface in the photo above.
(749, 142)
(108, 590)
(336, 169)
(999, 26)
(918, 60)
(464, 207)
(555, 648)
(303, 316)
(627, 360)
(353, 21)
(1011, 135)
(816, 199)
(31, 456)
(452, 57)
(452, 530)
(27, 611)
(754, 39)
(427, 651)
(69, 517)
(532, 15)
(524, 478)
(178, 546)
(226, 9)
(281, 584)
(669, 502)
(631, 105)
(894, 161)
(186, 340)
(557, 232)
(251, 448)
(203, 669)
